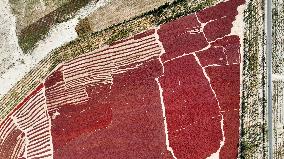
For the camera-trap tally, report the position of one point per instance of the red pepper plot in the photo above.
(169, 92)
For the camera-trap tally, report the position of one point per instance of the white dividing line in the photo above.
(163, 51)
(161, 93)
(186, 54)
(156, 35)
(202, 26)
(6, 129)
(17, 147)
(213, 65)
(165, 118)
(49, 122)
(98, 65)
(26, 140)
(216, 154)
(108, 51)
(224, 52)
(30, 121)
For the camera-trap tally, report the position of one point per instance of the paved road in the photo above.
(269, 71)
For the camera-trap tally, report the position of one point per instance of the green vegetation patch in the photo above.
(30, 35)
(253, 106)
